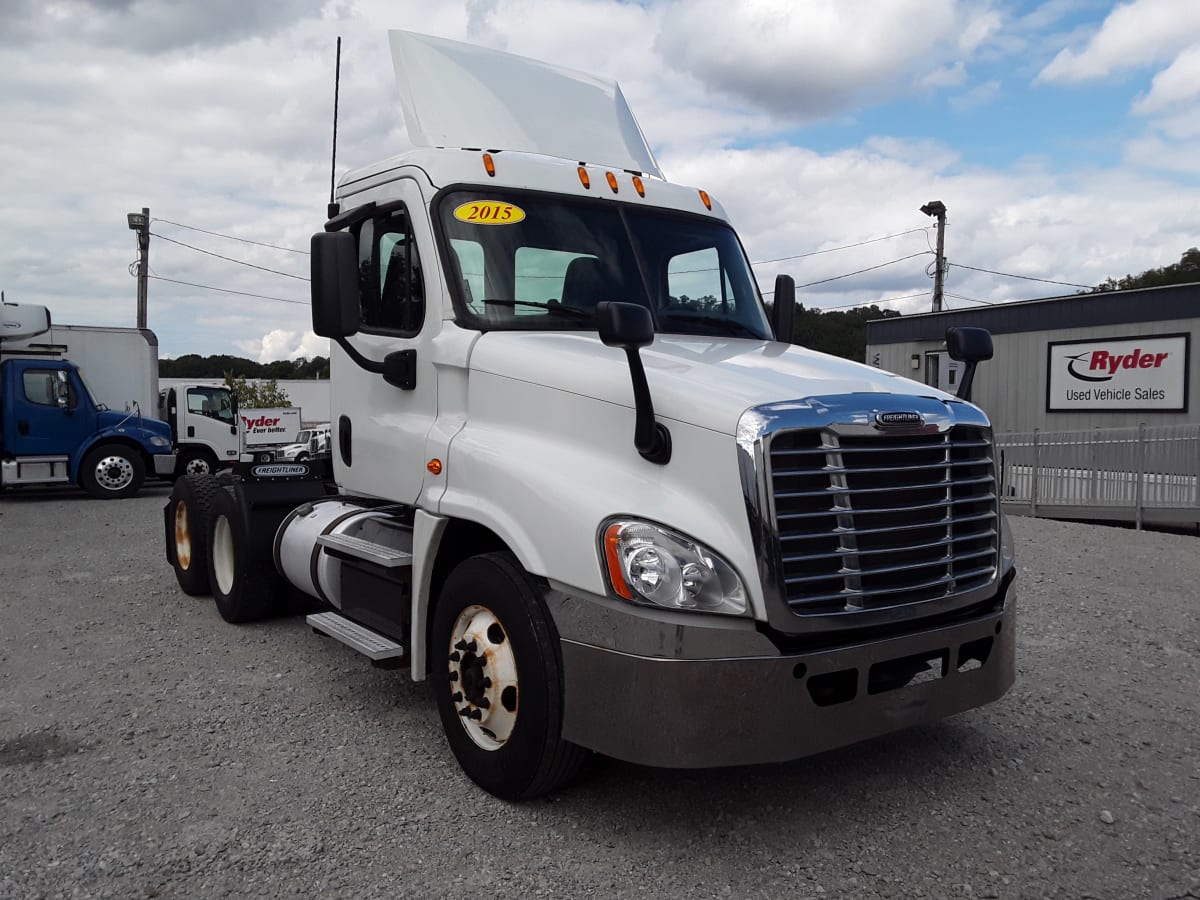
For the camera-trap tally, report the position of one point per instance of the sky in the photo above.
(1062, 136)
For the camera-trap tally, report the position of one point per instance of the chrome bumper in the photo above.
(697, 713)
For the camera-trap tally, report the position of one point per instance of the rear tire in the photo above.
(187, 531)
(112, 472)
(241, 567)
(497, 674)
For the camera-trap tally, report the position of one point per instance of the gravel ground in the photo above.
(147, 749)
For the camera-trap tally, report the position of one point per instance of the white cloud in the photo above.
(1136, 34)
(1178, 83)
(283, 344)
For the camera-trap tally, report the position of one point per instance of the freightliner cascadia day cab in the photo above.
(576, 482)
(54, 429)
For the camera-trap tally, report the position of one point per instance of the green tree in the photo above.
(1185, 271)
(256, 395)
(839, 332)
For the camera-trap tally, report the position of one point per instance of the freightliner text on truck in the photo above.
(577, 484)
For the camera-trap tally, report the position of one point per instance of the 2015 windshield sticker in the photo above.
(489, 212)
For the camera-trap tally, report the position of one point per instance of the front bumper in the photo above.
(164, 464)
(697, 713)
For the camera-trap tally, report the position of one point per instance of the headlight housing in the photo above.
(159, 441)
(655, 566)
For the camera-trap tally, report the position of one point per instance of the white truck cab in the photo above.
(204, 427)
(577, 482)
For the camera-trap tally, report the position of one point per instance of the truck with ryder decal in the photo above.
(580, 479)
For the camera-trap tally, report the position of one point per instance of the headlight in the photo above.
(159, 441)
(650, 564)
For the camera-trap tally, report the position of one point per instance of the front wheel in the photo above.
(196, 462)
(497, 671)
(112, 471)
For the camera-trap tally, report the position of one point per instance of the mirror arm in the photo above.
(359, 360)
(651, 438)
(964, 386)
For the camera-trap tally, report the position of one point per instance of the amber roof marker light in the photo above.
(612, 181)
(489, 164)
(584, 178)
(638, 186)
(706, 200)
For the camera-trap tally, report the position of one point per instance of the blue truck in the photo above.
(52, 429)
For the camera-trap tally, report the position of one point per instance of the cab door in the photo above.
(378, 438)
(49, 416)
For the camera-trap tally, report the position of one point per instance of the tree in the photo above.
(1183, 272)
(840, 332)
(256, 395)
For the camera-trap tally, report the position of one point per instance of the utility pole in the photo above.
(938, 208)
(140, 222)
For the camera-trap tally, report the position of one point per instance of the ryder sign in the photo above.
(1119, 374)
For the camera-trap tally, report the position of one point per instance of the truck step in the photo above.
(381, 555)
(367, 642)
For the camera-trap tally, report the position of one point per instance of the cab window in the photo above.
(393, 287)
(43, 387)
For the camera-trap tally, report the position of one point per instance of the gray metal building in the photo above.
(1053, 368)
(1091, 397)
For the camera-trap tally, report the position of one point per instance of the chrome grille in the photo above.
(872, 521)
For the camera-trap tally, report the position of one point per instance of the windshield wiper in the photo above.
(569, 311)
(731, 326)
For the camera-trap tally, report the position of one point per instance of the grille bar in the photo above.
(876, 521)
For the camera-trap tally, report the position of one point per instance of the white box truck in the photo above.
(578, 484)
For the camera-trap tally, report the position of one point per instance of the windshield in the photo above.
(302, 437)
(528, 261)
(212, 402)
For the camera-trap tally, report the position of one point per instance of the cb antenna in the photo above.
(337, 79)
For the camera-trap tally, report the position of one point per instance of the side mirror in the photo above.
(783, 310)
(972, 346)
(625, 325)
(335, 287)
(631, 327)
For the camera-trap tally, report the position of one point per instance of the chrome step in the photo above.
(379, 554)
(367, 642)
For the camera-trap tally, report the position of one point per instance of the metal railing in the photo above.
(1114, 473)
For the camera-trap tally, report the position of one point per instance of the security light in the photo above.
(137, 221)
(932, 208)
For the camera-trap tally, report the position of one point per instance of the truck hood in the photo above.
(703, 381)
(134, 425)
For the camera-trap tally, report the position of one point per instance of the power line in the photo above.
(885, 237)
(231, 237)
(890, 262)
(209, 287)
(228, 258)
(971, 299)
(1026, 277)
(875, 302)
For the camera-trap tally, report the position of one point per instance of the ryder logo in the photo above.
(260, 422)
(1102, 365)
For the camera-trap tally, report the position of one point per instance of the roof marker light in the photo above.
(584, 179)
(707, 201)
(489, 164)
(638, 186)
(612, 181)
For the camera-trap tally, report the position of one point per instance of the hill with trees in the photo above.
(1185, 271)
(190, 365)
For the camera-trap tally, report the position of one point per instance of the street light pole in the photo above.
(938, 208)
(140, 222)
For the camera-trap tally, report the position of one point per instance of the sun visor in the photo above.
(458, 95)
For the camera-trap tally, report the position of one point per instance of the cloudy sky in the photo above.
(1063, 136)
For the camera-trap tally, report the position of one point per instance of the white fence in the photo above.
(1142, 474)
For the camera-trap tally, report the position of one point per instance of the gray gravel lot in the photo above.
(147, 749)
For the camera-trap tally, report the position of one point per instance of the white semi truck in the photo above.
(578, 484)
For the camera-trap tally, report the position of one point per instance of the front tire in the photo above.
(241, 568)
(112, 472)
(188, 513)
(497, 672)
(196, 462)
